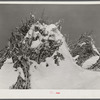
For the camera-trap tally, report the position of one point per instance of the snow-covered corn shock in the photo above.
(37, 57)
(84, 52)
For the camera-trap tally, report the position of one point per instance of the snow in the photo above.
(21, 73)
(8, 75)
(30, 32)
(35, 44)
(88, 63)
(52, 30)
(76, 57)
(82, 44)
(95, 49)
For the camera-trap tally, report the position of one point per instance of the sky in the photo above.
(77, 19)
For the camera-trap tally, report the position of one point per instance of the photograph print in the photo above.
(49, 46)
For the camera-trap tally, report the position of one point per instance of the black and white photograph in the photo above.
(49, 46)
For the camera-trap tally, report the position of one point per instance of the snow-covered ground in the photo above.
(8, 75)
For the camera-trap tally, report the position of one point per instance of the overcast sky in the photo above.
(77, 19)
